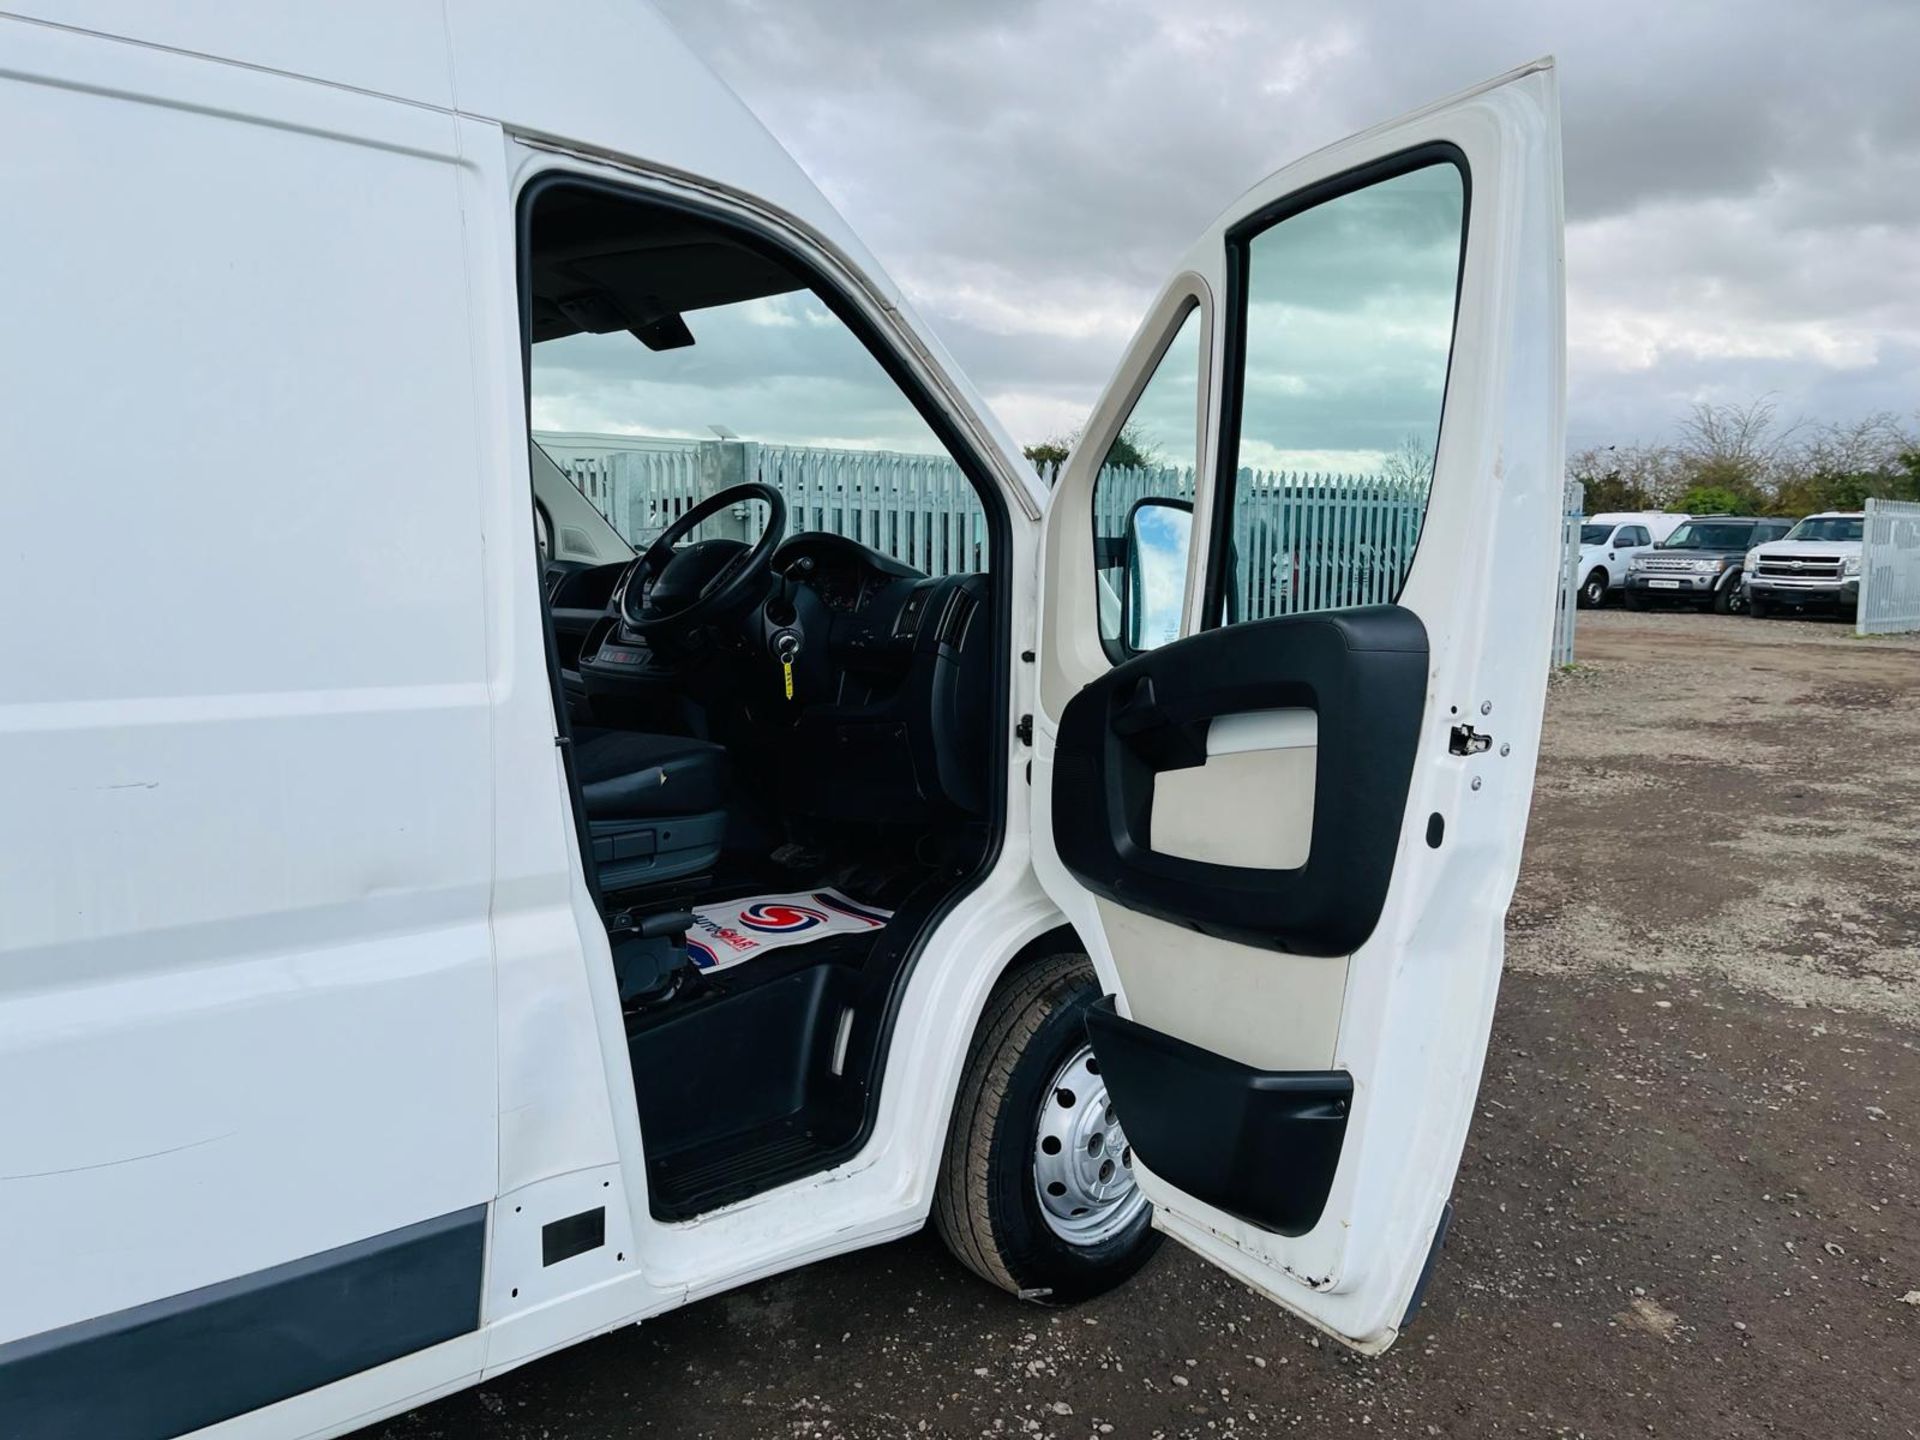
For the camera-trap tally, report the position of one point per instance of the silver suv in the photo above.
(1700, 564)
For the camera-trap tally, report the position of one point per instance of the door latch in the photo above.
(1468, 741)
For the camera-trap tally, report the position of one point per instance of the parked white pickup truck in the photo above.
(1817, 563)
(1608, 544)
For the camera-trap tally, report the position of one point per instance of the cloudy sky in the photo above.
(1743, 179)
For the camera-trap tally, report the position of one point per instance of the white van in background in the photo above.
(438, 926)
(1608, 544)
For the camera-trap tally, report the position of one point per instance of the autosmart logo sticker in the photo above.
(727, 933)
(717, 934)
(778, 919)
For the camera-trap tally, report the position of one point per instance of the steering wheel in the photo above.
(669, 590)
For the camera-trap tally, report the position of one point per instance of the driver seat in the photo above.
(655, 804)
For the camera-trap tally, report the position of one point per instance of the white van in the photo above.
(440, 922)
(1608, 544)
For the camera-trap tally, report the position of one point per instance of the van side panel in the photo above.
(182, 1363)
(246, 980)
(390, 47)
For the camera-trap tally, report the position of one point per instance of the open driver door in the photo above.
(1296, 612)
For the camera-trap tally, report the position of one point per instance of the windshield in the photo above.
(1595, 534)
(1828, 528)
(1724, 535)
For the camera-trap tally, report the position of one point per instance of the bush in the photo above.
(1715, 500)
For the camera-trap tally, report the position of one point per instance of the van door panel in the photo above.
(1303, 949)
(246, 980)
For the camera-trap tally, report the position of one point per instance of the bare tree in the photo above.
(1409, 464)
(1628, 477)
(1737, 448)
(1871, 445)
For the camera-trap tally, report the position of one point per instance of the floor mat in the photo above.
(735, 930)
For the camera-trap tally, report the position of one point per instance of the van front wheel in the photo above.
(1036, 1191)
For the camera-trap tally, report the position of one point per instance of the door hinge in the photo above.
(1023, 732)
(1468, 741)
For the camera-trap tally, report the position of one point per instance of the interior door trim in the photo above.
(1363, 672)
(1291, 728)
(1260, 1145)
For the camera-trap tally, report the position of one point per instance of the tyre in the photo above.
(1637, 601)
(1036, 1191)
(1756, 607)
(1727, 601)
(1593, 590)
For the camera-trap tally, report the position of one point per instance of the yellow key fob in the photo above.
(786, 667)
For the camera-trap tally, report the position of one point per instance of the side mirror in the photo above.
(1159, 535)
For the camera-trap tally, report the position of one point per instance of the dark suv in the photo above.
(1699, 563)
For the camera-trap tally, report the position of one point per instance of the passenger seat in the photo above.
(656, 807)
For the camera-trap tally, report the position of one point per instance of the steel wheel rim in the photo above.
(1082, 1163)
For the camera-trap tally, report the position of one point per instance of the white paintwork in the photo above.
(295, 947)
(1616, 552)
(246, 969)
(1418, 996)
(1789, 549)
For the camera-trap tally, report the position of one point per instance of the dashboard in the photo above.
(891, 712)
(842, 572)
(900, 720)
(877, 611)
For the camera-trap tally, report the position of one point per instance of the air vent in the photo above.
(953, 624)
(908, 622)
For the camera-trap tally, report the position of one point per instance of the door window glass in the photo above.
(1347, 330)
(1146, 482)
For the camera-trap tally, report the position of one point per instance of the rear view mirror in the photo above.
(1159, 534)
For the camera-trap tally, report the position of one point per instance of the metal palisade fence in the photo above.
(1573, 510)
(1303, 541)
(1889, 569)
(917, 508)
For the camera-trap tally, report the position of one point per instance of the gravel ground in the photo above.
(1689, 1205)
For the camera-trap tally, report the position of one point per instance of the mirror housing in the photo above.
(1159, 538)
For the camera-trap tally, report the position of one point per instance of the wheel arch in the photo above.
(1052, 937)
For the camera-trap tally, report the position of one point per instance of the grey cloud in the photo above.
(1743, 178)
